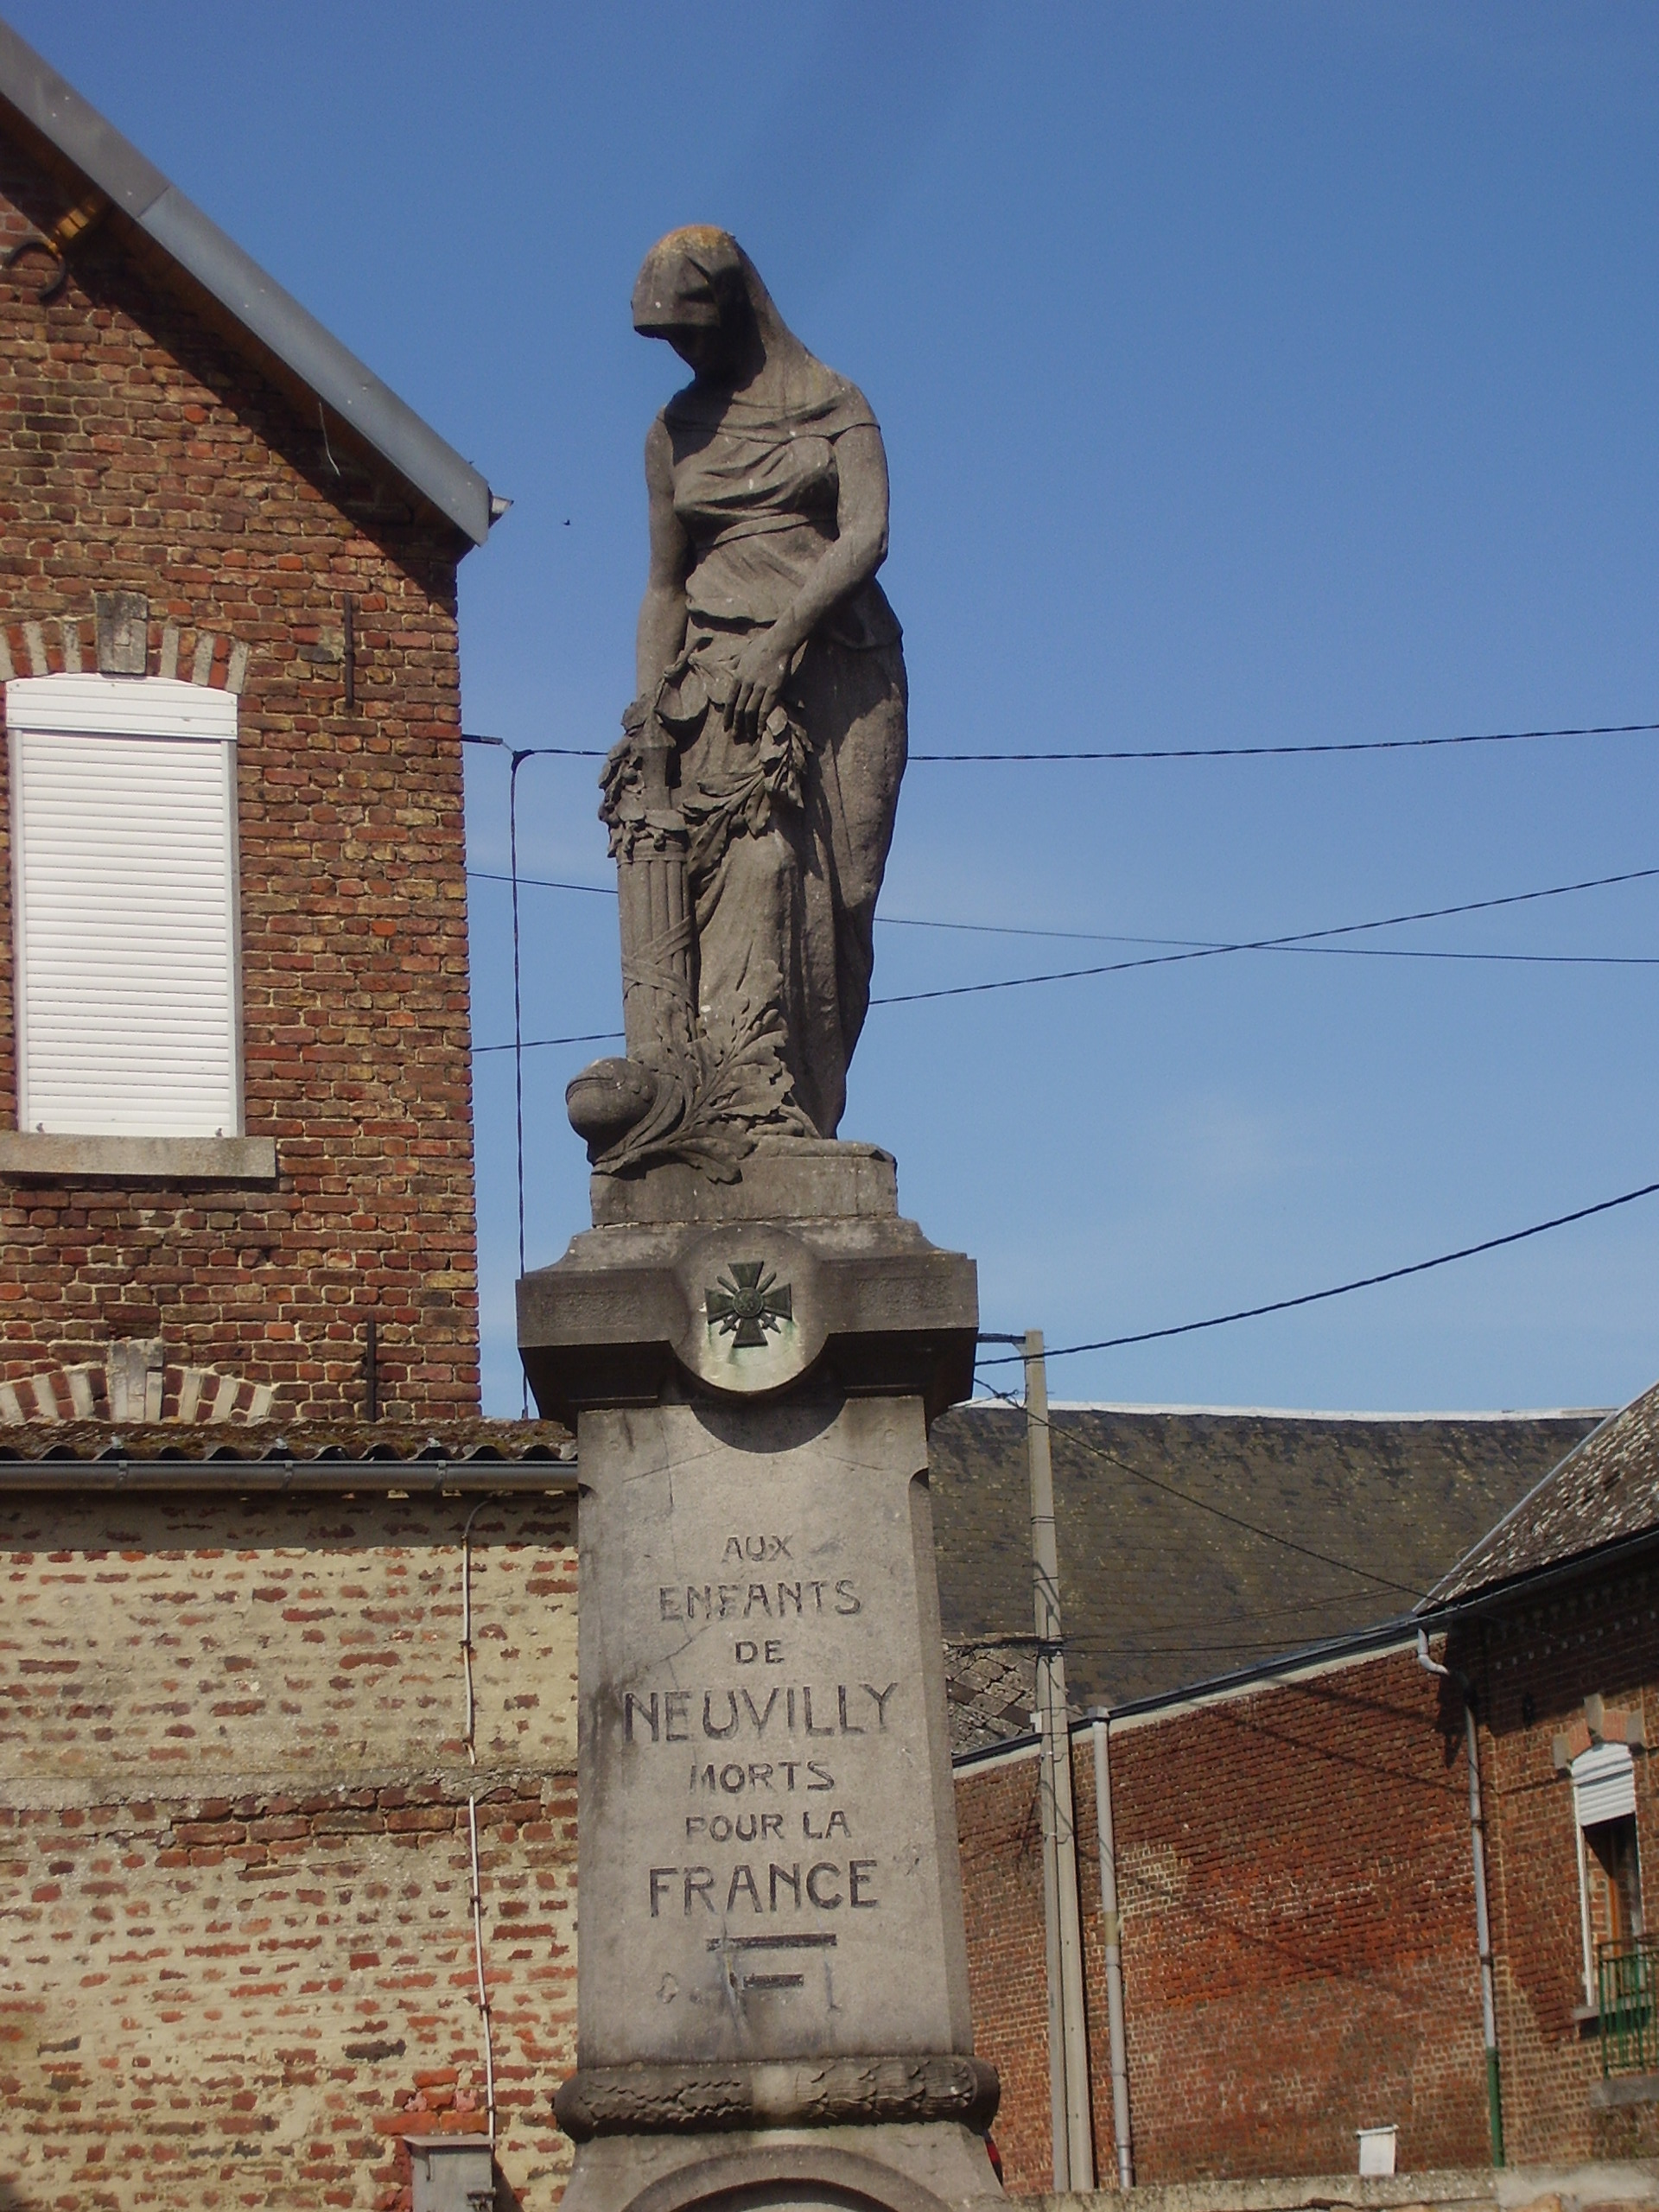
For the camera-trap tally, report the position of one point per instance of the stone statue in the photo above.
(772, 2001)
(751, 799)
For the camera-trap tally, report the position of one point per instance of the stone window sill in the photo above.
(1624, 2089)
(138, 1159)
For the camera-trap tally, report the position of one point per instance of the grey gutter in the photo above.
(1402, 1630)
(31, 85)
(231, 1478)
(1528, 1582)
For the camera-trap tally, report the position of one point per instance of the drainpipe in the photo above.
(1483, 1923)
(1111, 1937)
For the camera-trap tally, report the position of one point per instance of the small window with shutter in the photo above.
(1609, 1874)
(124, 906)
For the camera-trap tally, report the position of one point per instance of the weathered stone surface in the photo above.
(772, 2001)
(138, 1159)
(631, 1312)
(122, 630)
(807, 1179)
(752, 797)
(773, 1990)
(804, 2093)
(768, 1843)
(917, 2168)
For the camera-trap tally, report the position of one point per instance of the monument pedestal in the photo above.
(773, 1990)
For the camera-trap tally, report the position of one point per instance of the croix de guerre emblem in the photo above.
(745, 1305)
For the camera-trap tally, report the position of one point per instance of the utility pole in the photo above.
(1068, 2040)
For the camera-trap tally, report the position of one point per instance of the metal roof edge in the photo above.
(1317, 1413)
(233, 1477)
(1530, 1582)
(35, 90)
(1396, 1635)
(1307, 1659)
(1010, 1747)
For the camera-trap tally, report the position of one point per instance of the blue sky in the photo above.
(1250, 374)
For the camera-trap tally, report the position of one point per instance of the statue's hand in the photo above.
(761, 672)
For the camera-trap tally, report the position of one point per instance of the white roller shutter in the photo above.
(124, 906)
(1603, 1785)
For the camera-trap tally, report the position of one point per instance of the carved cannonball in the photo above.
(608, 1099)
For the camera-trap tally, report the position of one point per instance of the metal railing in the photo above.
(1627, 1980)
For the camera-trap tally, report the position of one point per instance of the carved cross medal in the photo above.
(745, 1307)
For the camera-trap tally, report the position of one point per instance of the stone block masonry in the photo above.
(144, 454)
(237, 1961)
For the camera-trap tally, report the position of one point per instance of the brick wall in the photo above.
(1000, 1832)
(142, 452)
(1536, 1665)
(1299, 1951)
(236, 1952)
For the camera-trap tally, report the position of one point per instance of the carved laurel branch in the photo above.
(700, 1084)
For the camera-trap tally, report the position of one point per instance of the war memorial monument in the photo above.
(751, 1343)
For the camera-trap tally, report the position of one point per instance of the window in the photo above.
(124, 906)
(1609, 1875)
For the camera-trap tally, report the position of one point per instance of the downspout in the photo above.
(472, 1815)
(1111, 1938)
(1482, 1922)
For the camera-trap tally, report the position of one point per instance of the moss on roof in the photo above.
(1157, 1592)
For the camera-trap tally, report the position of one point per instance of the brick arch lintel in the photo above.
(101, 1391)
(62, 644)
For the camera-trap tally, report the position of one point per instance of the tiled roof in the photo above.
(1604, 1492)
(467, 1454)
(1157, 1593)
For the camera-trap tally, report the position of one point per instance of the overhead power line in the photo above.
(1261, 944)
(1279, 752)
(1341, 1289)
(1188, 949)
(541, 883)
(1203, 1504)
(1169, 752)
(538, 1044)
(1120, 937)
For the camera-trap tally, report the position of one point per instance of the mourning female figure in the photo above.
(751, 800)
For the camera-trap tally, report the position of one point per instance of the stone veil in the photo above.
(752, 797)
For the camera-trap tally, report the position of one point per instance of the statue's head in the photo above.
(692, 279)
(699, 291)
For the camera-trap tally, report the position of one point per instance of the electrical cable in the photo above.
(518, 759)
(538, 1044)
(1252, 1527)
(541, 883)
(1118, 937)
(1301, 940)
(1336, 1290)
(1181, 752)
(1262, 944)
(1275, 752)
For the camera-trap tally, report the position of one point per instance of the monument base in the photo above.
(773, 1992)
(893, 2166)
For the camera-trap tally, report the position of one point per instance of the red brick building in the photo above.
(286, 1631)
(1295, 1860)
(234, 995)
